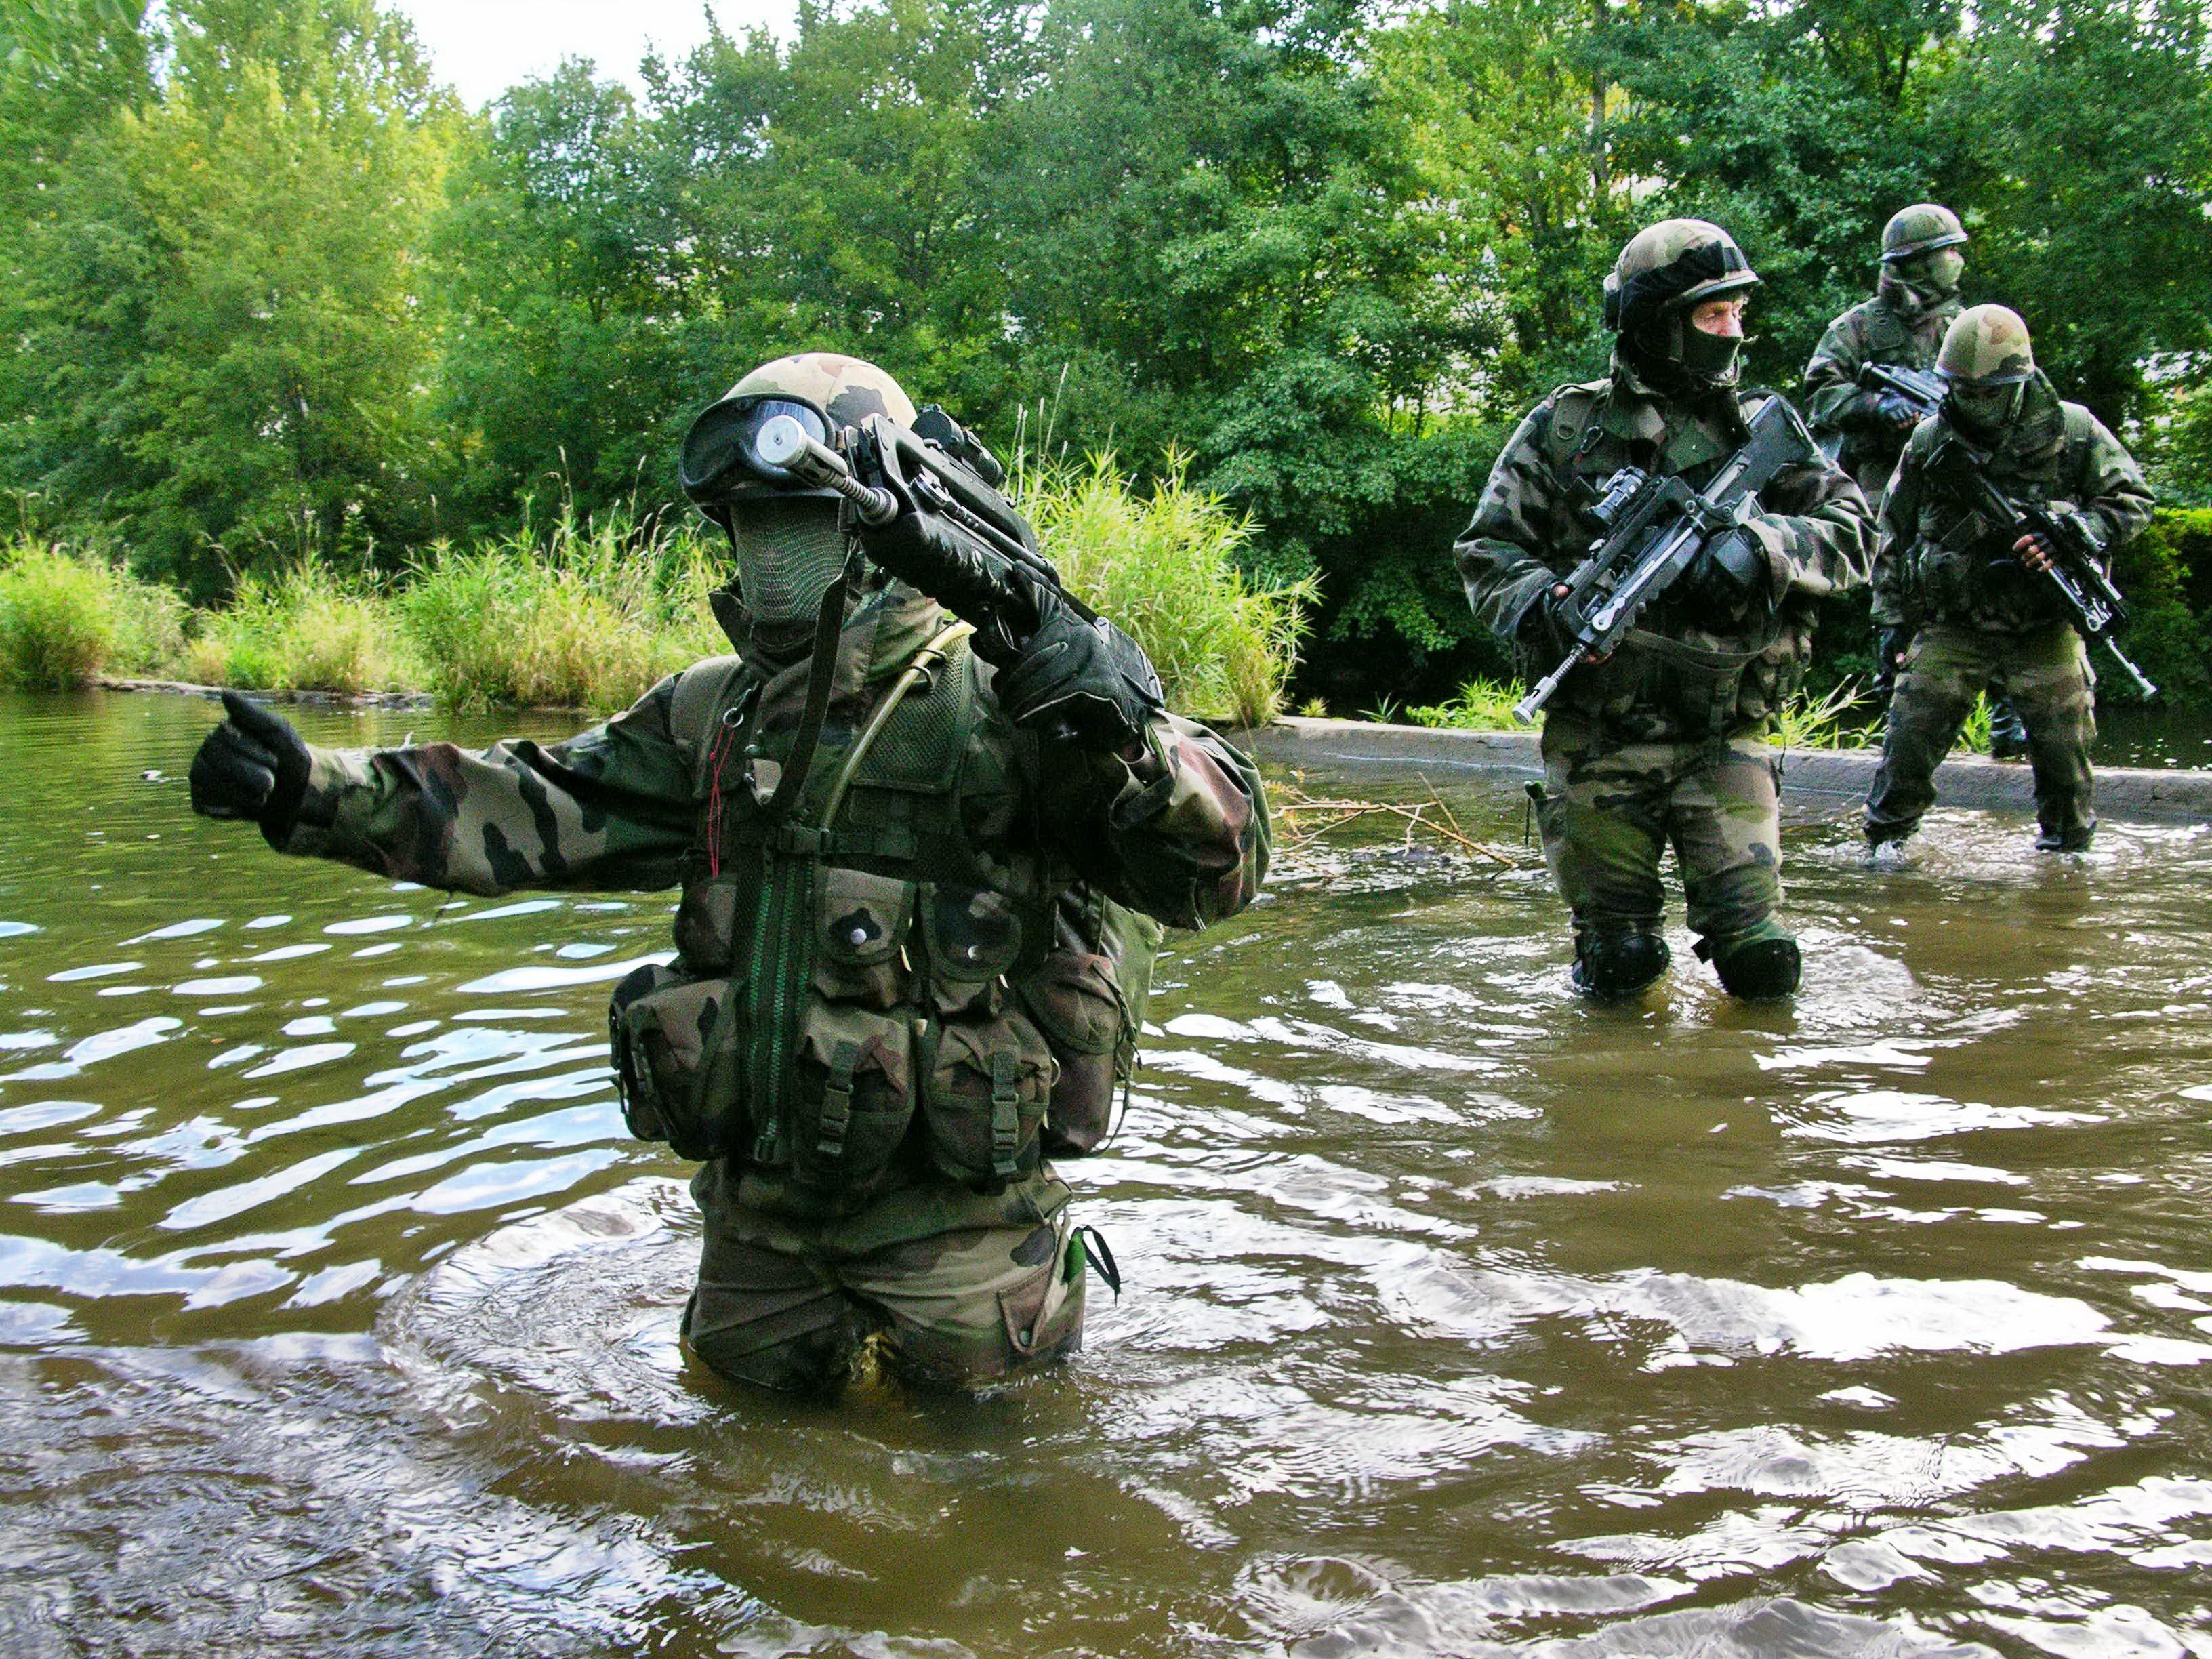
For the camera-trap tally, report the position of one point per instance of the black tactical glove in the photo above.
(1889, 644)
(1729, 573)
(1546, 631)
(1088, 680)
(252, 766)
(1897, 411)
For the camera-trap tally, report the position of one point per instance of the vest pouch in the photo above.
(669, 1036)
(1077, 1005)
(706, 923)
(972, 937)
(855, 1095)
(860, 942)
(989, 1080)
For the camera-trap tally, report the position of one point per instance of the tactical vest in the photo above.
(1960, 567)
(862, 995)
(1887, 340)
(1698, 688)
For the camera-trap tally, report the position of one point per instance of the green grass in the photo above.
(304, 628)
(68, 616)
(1165, 566)
(588, 615)
(1481, 706)
(1828, 723)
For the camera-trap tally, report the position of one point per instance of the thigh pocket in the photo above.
(669, 1036)
(989, 1080)
(1043, 1314)
(1078, 1006)
(855, 1094)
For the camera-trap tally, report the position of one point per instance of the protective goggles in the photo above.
(720, 456)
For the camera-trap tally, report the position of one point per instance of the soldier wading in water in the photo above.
(1665, 740)
(909, 971)
(1957, 605)
(1922, 260)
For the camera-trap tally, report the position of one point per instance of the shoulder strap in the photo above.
(1572, 430)
(702, 691)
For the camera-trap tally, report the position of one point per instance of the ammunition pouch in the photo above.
(841, 1024)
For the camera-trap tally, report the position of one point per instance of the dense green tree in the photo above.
(220, 345)
(272, 291)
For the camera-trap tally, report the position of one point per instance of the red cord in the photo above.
(714, 802)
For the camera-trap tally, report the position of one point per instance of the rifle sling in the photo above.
(821, 674)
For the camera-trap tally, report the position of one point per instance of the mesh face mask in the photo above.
(1926, 280)
(789, 551)
(1983, 411)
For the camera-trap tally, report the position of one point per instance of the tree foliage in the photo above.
(275, 293)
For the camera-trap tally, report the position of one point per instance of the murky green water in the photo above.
(339, 1314)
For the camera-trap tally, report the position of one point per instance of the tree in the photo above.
(221, 341)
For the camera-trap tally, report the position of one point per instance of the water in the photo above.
(336, 1315)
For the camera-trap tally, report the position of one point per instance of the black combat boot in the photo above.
(1761, 970)
(1613, 965)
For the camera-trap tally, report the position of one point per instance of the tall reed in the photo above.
(1166, 565)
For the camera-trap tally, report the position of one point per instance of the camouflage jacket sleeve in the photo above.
(1894, 537)
(1833, 396)
(1522, 524)
(608, 808)
(1181, 833)
(1818, 534)
(2110, 490)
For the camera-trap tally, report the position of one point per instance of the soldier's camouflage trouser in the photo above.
(2047, 673)
(1611, 809)
(789, 1305)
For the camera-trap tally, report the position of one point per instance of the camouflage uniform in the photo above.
(1666, 740)
(1873, 332)
(1946, 572)
(1894, 328)
(966, 971)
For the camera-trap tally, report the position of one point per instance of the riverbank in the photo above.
(1815, 781)
(589, 612)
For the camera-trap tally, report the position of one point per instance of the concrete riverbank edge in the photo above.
(1818, 782)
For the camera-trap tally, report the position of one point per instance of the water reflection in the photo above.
(337, 1314)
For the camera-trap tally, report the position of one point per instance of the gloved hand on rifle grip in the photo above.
(1728, 572)
(1546, 630)
(252, 766)
(1898, 410)
(1089, 679)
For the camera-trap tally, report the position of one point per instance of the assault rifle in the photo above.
(1920, 389)
(977, 556)
(2093, 606)
(1651, 530)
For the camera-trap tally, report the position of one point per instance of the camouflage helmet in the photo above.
(1669, 267)
(846, 389)
(1986, 345)
(823, 390)
(1921, 229)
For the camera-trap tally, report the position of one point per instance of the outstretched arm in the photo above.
(608, 808)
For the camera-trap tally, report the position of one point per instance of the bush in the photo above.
(588, 619)
(66, 616)
(1165, 566)
(1481, 706)
(305, 629)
